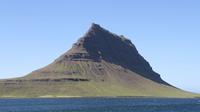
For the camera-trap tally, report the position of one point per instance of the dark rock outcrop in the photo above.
(99, 44)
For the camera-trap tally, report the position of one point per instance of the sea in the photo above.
(100, 105)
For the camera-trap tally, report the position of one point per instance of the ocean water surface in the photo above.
(100, 105)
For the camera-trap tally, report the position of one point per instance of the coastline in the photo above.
(112, 97)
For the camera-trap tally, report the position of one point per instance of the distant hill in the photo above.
(99, 64)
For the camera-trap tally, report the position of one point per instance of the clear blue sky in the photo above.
(166, 32)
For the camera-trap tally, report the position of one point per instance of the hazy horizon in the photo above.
(34, 33)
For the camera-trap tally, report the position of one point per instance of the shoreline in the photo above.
(69, 97)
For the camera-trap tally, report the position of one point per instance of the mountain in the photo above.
(99, 64)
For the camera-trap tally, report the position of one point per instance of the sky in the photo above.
(33, 33)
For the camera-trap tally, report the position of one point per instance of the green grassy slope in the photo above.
(104, 79)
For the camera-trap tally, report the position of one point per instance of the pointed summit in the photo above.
(95, 29)
(99, 44)
(95, 26)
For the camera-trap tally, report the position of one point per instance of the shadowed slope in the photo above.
(99, 44)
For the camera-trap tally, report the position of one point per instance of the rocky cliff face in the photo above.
(99, 44)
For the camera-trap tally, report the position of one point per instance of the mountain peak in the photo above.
(98, 64)
(99, 44)
(94, 30)
(95, 26)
